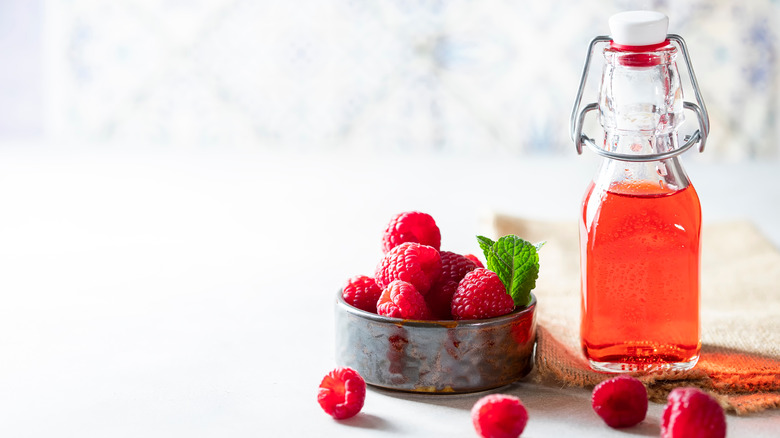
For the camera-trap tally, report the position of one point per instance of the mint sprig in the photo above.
(516, 262)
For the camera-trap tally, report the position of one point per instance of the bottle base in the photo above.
(642, 367)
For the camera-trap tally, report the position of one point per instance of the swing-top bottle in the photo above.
(640, 220)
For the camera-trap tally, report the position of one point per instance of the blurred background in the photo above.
(456, 77)
(182, 180)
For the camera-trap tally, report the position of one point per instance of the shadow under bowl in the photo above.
(436, 356)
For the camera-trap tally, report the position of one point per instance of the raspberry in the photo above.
(474, 259)
(362, 292)
(439, 299)
(692, 413)
(621, 401)
(481, 294)
(401, 300)
(342, 393)
(453, 268)
(412, 226)
(499, 416)
(411, 262)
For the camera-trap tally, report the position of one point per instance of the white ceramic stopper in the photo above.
(638, 28)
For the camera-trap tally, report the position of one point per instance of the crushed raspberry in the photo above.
(342, 393)
(401, 300)
(412, 226)
(481, 294)
(362, 292)
(620, 401)
(499, 416)
(411, 262)
(474, 259)
(453, 268)
(692, 413)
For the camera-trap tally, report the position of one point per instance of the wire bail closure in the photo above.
(578, 117)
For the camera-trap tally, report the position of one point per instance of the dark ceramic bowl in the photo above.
(436, 356)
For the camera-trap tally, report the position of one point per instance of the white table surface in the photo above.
(191, 294)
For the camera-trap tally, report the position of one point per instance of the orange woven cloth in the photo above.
(740, 314)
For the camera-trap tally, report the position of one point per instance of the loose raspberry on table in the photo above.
(342, 393)
(412, 226)
(453, 268)
(620, 401)
(692, 413)
(362, 292)
(411, 262)
(499, 416)
(401, 300)
(481, 294)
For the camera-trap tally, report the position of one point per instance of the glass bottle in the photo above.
(640, 225)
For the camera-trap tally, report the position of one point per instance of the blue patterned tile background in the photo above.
(458, 76)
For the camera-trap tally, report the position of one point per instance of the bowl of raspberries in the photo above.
(435, 321)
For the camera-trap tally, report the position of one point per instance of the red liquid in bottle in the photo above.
(640, 277)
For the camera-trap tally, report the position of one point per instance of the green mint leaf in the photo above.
(485, 243)
(516, 262)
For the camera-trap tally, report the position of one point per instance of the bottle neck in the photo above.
(640, 103)
(640, 109)
(639, 142)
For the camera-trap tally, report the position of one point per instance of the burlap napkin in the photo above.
(740, 311)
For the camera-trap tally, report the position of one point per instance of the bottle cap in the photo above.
(638, 28)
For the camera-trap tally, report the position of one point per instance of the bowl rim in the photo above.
(517, 313)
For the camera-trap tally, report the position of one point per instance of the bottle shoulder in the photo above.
(654, 178)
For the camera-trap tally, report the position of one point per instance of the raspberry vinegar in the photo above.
(640, 288)
(640, 226)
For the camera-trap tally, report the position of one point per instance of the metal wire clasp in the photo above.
(578, 117)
